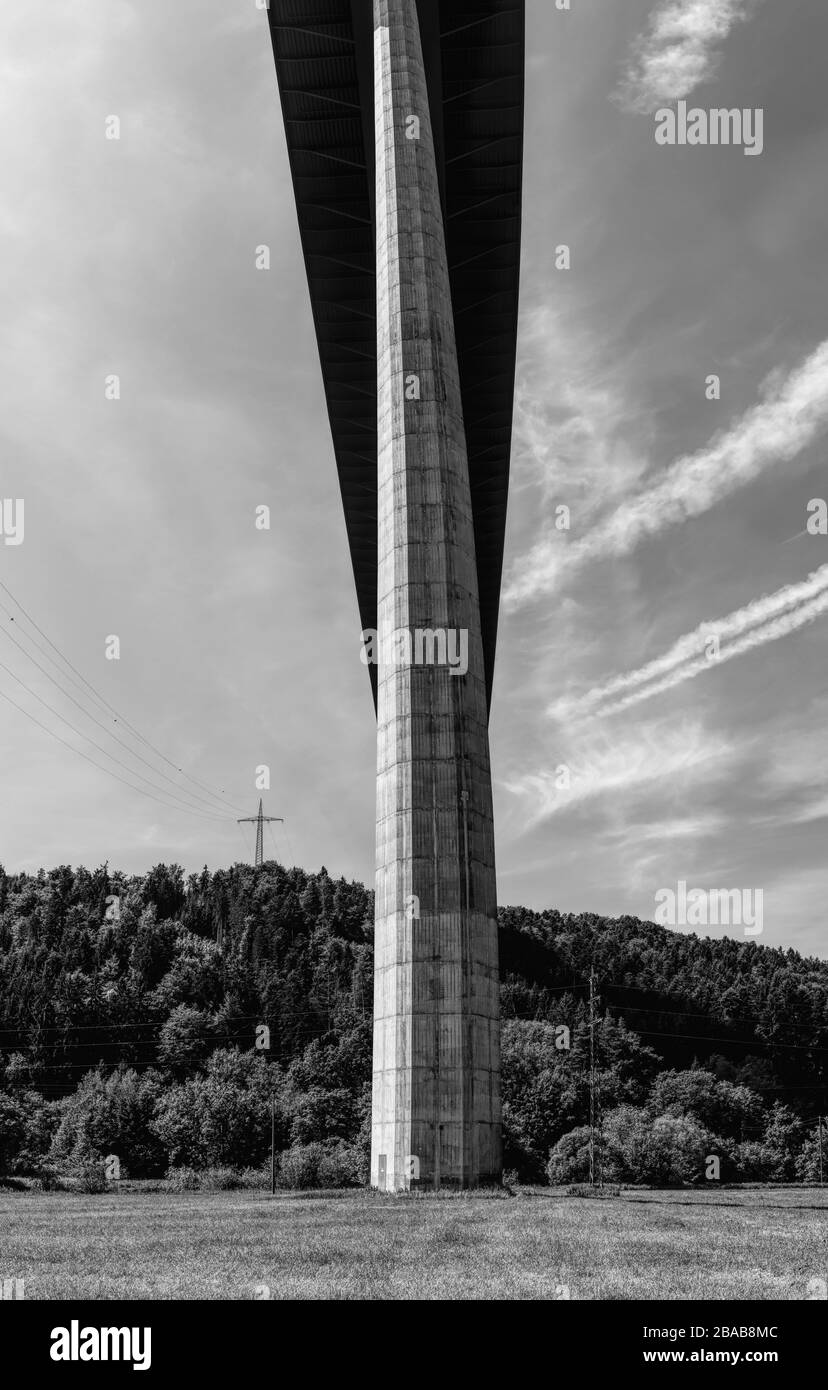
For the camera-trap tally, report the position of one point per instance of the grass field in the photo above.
(763, 1244)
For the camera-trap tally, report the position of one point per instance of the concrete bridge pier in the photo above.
(436, 1086)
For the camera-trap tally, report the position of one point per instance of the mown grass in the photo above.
(761, 1244)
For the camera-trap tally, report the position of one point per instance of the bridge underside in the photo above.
(473, 52)
(404, 122)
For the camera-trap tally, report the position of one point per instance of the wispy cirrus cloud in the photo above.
(593, 764)
(573, 413)
(680, 50)
(765, 620)
(792, 415)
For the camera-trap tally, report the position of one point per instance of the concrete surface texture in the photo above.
(436, 1093)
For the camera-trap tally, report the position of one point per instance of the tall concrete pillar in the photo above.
(436, 1095)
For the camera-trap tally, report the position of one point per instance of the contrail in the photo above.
(679, 51)
(765, 620)
(772, 432)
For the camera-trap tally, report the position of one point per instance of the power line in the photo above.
(102, 701)
(200, 802)
(683, 1013)
(691, 1037)
(149, 1023)
(737, 1042)
(199, 799)
(186, 806)
(108, 771)
(273, 838)
(37, 646)
(287, 841)
(628, 1009)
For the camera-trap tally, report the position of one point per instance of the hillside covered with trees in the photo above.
(155, 1018)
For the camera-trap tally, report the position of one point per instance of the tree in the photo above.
(725, 1109)
(112, 1114)
(164, 890)
(546, 1085)
(222, 1117)
(184, 1040)
(153, 947)
(537, 1095)
(569, 1158)
(807, 1162)
(782, 1142)
(319, 1115)
(78, 984)
(666, 1150)
(310, 902)
(194, 976)
(25, 1125)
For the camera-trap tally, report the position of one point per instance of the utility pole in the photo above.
(819, 1131)
(258, 821)
(273, 1146)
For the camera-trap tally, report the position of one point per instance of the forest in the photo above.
(167, 1022)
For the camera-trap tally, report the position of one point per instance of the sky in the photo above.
(660, 710)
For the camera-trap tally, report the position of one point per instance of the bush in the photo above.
(220, 1179)
(183, 1179)
(87, 1166)
(668, 1151)
(90, 1176)
(217, 1179)
(255, 1179)
(321, 1165)
(753, 1161)
(681, 1146)
(48, 1179)
(342, 1167)
(299, 1166)
(233, 1179)
(569, 1159)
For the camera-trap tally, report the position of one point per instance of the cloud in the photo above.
(679, 51)
(765, 620)
(598, 765)
(796, 777)
(693, 827)
(817, 810)
(571, 413)
(792, 415)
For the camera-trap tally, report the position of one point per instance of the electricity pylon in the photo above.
(259, 821)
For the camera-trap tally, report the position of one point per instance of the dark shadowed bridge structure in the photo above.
(404, 127)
